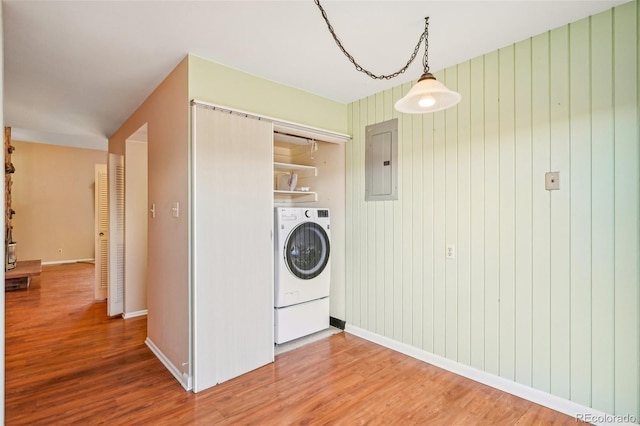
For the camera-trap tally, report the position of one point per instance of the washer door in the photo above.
(307, 250)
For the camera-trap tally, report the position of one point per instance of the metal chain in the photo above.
(425, 58)
(423, 36)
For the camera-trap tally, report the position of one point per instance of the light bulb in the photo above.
(427, 101)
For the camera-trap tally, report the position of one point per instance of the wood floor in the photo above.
(67, 363)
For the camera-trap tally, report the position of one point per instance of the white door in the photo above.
(232, 246)
(115, 297)
(102, 232)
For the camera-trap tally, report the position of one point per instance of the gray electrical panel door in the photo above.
(381, 161)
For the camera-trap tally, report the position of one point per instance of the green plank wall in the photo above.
(544, 290)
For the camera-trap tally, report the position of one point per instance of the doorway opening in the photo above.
(127, 230)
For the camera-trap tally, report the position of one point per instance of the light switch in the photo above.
(175, 210)
(552, 181)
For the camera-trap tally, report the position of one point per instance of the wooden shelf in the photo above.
(296, 194)
(295, 167)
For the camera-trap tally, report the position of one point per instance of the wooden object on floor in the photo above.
(68, 363)
(20, 276)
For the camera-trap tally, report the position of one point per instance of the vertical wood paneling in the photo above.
(380, 266)
(492, 213)
(357, 175)
(560, 213)
(398, 276)
(406, 191)
(545, 287)
(541, 260)
(602, 229)
(376, 217)
(439, 243)
(369, 303)
(477, 213)
(451, 223)
(580, 102)
(507, 211)
(362, 225)
(627, 211)
(523, 214)
(389, 101)
(385, 275)
(350, 220)
(417, 232)
(464, 215)
(428, 239)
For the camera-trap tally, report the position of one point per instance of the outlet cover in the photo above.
(451, 251)
(552, 181)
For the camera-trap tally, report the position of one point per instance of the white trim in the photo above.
(183, 378)
(193, 274)
(556, 403)
(60, 262)
(128, 315)
(284, 125)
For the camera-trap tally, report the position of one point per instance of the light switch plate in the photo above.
(552, 181)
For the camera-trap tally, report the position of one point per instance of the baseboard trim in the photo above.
(128, 315)
(183, 378)
(61, 262)
(337, 323)
(556, 403)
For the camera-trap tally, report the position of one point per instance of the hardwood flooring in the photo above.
(67, 363)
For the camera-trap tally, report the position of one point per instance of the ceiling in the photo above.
(75, 70)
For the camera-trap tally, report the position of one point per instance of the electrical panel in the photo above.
(381, 161)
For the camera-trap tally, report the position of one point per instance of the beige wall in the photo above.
(53, 196)
(135, 232)
(166, 111)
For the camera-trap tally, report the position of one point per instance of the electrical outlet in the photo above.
(451, 251)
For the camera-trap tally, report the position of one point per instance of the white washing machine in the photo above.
(302, 271)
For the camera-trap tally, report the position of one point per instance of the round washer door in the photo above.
(307, 250)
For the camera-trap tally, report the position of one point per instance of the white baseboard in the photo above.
(183, 378)
(556, 403)
(128, 315)
(60, 262)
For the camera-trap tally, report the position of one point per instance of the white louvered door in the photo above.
(101, 232)
(115, 297)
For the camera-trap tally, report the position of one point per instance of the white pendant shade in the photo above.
(428, 95)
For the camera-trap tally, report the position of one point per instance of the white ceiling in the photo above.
(75, 70)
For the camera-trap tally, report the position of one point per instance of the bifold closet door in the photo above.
(232, 245)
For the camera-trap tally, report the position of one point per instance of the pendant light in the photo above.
(428, 95)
